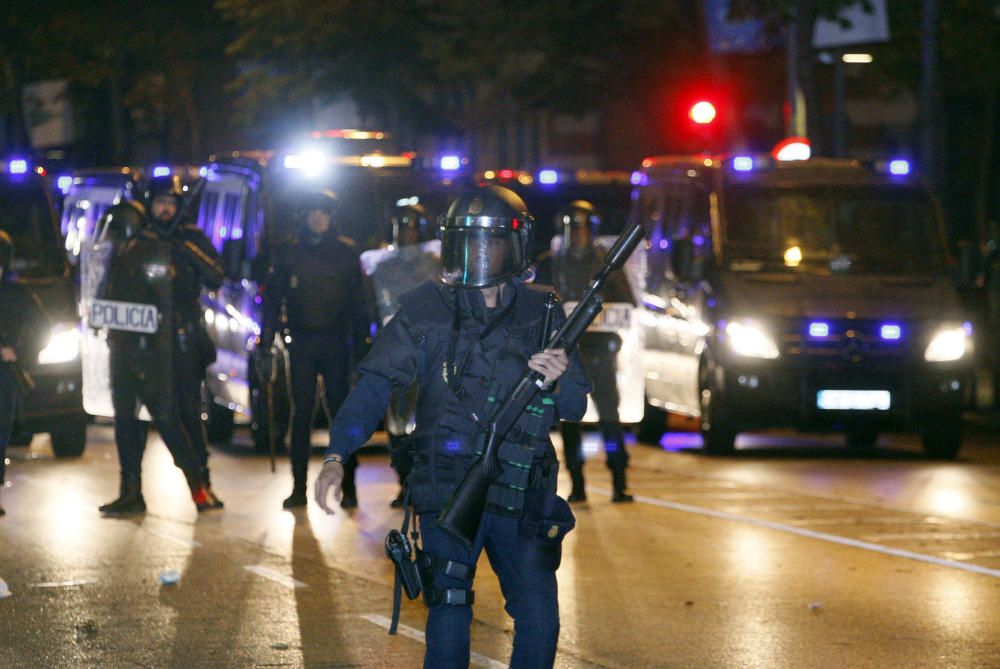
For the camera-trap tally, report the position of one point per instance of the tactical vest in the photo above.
(463, 376)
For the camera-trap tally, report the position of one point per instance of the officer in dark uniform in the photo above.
(20, 317)
(570, 271)
(403, 264)
(466, 342)
(317, 279)
(161, 371)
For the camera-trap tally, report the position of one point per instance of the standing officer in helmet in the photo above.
(465, 342)
(570, 270)
(392, 271)
(317, 279)
(161, 262)
(20, 316)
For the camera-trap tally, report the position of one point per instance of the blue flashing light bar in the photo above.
(161, 171)
(450, 163)
(203, 172)
(819, 329)
(890, 331)
(18, 166)
(743, 163)
(899, 167)
(548, 177)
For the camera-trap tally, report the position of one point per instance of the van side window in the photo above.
(688, 217)
(206, 215)
(649, 213)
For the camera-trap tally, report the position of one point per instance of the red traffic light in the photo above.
(702, 112)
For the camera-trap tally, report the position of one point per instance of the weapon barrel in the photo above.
(460, 518)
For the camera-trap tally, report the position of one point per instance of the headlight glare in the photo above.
(749, 339)
(63, 345)
(948, 344)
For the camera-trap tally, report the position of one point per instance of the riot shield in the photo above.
(128, 309)
(393, 271)
(615, 339)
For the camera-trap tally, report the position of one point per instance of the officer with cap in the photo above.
(157, 253)
(317, 279)
(570, 271)
(466, 341)
(20, 316)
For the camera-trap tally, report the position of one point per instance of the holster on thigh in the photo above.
(436, 589)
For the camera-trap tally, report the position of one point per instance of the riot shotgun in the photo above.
(460, 518)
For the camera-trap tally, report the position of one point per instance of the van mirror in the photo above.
(682, 259)
(232, 257)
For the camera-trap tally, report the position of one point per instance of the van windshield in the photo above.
(850, 228)
(25, 216)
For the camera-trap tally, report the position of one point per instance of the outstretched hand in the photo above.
(330, 478)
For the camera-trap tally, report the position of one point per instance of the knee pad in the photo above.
(436, 590)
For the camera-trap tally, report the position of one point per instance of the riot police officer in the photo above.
(393, 270)
(163, 261)
(465, 342)
(317, 278)
(20, 316)
(570, 271)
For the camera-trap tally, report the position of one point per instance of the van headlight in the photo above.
(63, 345)
(949, 343)
(748, 338)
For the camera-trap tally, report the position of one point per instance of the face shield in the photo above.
(477, 252)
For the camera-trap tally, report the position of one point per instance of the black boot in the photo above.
(129, 500)
(298, 497)
(578, 494)
(618, 481)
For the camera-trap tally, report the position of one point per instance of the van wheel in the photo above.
(69, 440)
(943, 438)
(718, 434)
(861, 438)
(652, 426)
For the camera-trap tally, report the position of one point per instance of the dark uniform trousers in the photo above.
(129, 386)
(315, 354)
(600, 363)
(8, 397)
(529, 589)
(193, 352)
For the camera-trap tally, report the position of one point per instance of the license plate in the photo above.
(854, 400)
(614, 316)
(127, 316)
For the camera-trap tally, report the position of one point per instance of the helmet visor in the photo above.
(474, 257)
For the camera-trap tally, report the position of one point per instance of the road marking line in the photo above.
(417, 635)
(932, 536)
(275, 576)
(65, 584)
(189, 543)
(811, 534)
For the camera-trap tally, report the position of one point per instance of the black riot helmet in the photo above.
(310, 201)
(485, 238)
(408, 225)
(578, 222)
(163, 198)
(6, 253)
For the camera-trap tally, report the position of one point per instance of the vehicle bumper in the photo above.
(56, 398)
(784, 394)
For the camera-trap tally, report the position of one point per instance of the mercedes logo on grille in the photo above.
(853, 349)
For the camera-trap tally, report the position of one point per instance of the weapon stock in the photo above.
(460, 518)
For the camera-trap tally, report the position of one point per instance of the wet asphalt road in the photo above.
(792, 553)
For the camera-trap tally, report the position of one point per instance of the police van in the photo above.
(248, 208)
(812, 294)
(55, 405)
